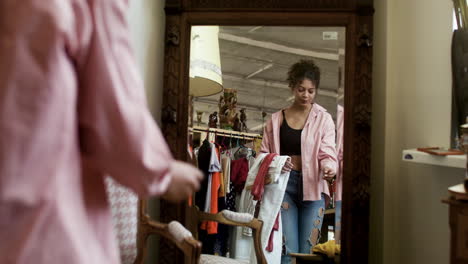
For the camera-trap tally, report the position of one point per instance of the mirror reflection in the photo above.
(266, 128)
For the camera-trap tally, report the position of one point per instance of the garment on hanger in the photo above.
(211, 205)
(260, 178)
(270, 208)
(221, 245)
(203, 196)
(225, 178)
(204, 156)
(226, 173)
(239, 171)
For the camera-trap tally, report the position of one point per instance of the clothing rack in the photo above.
(226, 133)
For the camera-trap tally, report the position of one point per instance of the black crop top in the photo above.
(290, 139)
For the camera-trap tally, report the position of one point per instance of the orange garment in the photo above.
(210, 226)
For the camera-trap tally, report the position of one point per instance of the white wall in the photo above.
(412, 105)
(378, 132)
(147, 25)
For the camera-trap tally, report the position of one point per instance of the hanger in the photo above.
(221, 144)
(207, 135)
(241, 146)
(230, 145)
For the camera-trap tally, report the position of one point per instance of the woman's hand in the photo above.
(185, 180)
(328, 173)
(287, 166)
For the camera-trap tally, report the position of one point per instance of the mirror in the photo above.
(255, 61)
(252, 64)
(298, 28)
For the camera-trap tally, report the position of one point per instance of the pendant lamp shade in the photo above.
(205, 66)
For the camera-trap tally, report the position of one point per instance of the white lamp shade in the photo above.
(205, 67)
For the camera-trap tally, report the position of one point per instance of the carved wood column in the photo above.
(173, 115)
(359, 139)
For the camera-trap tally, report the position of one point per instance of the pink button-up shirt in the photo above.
(72, 108)
(317, 148)
(339, 152)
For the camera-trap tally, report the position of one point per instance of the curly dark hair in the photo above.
(304, 69)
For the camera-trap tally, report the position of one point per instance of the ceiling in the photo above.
(255, 61)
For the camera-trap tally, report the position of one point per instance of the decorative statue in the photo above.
(227, 108)
(236, 123)
(221, 104)
(213, 120)
(243, 120)
(223, 111)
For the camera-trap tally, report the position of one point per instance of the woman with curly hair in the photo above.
(304, 131)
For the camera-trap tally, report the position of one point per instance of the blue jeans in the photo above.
(338, 222)
(302, 220)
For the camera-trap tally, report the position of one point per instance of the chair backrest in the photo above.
(174, 232)
(183, 239)
(233, 219)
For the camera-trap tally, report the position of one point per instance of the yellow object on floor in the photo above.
(328, 248)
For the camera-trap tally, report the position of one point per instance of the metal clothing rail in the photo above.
(226, 133)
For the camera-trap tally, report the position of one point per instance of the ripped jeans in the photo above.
(301, 220)
(338, 222)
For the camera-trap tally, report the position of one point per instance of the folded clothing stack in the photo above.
(329, 248)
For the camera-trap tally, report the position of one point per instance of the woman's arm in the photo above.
(327, 151)
(117, 132)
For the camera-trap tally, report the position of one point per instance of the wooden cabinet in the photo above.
(458, 219)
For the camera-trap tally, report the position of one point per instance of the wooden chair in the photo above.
(174, 232)
(233, 219)
(186, 242)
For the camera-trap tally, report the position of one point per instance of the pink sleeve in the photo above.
(327, 150)
(267, 138)
(117, 132)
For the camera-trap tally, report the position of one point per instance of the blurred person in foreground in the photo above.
(73, 109)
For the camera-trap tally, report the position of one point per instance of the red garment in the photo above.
(259, 183)
(239, 172)
(258, 189)
(269, 247)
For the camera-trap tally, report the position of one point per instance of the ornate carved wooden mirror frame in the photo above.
(356, 16)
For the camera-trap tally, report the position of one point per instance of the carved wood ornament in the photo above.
(356, 16)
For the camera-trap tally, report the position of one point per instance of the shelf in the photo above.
(454, 161)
